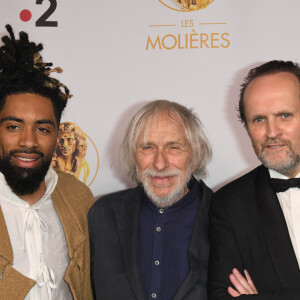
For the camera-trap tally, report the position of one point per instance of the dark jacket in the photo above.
(248, 231)
(113, 224)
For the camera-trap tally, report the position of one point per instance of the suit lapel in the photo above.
(276, 231)
(127, 218)
(199, 247)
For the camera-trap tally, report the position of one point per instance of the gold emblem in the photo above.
(186, 5)
(71, 150)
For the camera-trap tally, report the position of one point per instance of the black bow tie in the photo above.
(282, 185)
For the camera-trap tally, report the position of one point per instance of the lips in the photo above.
(24, 160)
(277, 144)
(274, 146)
(162, 179)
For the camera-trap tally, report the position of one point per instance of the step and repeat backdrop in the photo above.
(118, 55)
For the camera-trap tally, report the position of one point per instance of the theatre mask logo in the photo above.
(76, 153)
(186, 5)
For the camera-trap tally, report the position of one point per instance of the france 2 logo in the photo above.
(43, 20)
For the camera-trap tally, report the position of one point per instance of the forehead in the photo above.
(28, 107)
(164, 127)
(68, 135)
(272, 94)
(272, 86)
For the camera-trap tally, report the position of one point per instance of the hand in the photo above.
(242, 286)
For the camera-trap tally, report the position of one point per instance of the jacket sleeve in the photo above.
(13, 285)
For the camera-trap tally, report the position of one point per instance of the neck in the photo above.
(35, 196)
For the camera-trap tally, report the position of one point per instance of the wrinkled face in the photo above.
(67, 143)
(28, 136)
(163, 160)
(272, 109)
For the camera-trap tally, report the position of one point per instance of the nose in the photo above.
(65, 143)
(28, 139)
(272, 129)
(160, 160)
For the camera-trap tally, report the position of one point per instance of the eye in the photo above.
(286, 115)
(258, 120)
(13, 127)
(43, 130)
(174, 148)
(147, 147)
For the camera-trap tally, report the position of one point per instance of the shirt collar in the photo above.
(274, 174)
(8, 195)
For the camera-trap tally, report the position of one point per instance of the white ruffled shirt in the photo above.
(290, 205)
(38, 241)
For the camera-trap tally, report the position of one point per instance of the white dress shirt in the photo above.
(38, 241)
(290, 205)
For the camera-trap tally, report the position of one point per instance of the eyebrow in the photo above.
(39, 122)
(166, 144)
(45, 121)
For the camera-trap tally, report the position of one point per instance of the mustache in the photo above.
(271, 141)
(162, 173)
(27, 151)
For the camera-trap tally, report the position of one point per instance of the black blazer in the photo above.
(248, 231)
(113, 224)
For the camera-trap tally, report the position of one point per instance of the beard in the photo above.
(286, 165)
(175, 195)
(24, 181)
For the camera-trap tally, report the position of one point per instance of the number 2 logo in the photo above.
(43, 20)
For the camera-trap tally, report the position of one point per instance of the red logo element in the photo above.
(25, 15)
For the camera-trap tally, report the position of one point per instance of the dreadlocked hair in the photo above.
(22, 70)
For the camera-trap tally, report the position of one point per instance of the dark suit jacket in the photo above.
(113, 224)
(248, 231)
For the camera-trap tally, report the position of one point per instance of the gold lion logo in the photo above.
(71, 150)
(186, 5)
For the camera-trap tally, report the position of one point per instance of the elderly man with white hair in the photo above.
(151, 242)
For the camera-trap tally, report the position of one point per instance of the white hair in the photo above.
(142, 120)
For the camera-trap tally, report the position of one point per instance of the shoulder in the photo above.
(238, 195)
(110, 200)
(206, 193)
(124, 204)
(69, 187)
(242, 184)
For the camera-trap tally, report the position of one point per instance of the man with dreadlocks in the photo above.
(44, 245)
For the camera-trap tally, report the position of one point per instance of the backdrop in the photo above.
(118, 55)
